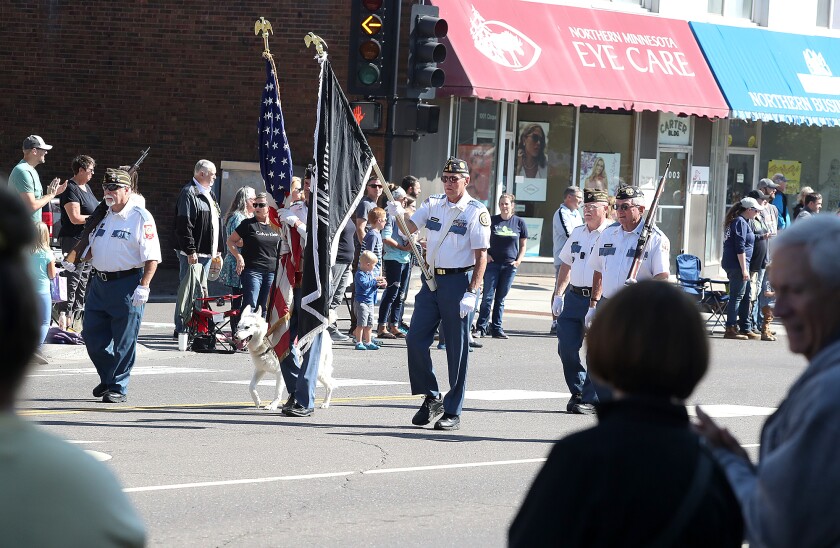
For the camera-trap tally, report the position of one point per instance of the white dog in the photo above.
(252, 328)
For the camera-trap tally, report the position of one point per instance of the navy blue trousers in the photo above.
(433, 308)
(570, 330)
(110, 329)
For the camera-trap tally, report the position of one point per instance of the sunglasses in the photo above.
(113, 187)
(374, 186)
(451, 178)
(263, 204)
(624, 207)
(536, 137)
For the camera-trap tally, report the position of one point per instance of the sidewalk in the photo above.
(530, 294)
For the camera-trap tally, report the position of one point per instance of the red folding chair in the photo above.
(206, 327)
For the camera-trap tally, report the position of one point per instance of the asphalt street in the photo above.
(207, 468)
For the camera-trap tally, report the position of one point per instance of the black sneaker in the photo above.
(431, 408)
(297, 410)
(500, 334)
(475, 344)
(113, 397)
(289, 403)
(553, 330)
(99, 390)
(448, 422)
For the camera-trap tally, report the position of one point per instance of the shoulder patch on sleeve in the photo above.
(484, 218)
(148, 231)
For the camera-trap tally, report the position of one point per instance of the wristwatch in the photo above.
(473, 291)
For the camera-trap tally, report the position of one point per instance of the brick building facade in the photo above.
(108, 79)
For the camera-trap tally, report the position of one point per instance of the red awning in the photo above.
(541, 53)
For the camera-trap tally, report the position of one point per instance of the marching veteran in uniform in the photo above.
(617, 247)
(572, 293)
(125, 253)
(458, 235)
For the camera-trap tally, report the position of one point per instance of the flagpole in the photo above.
(318, 42)
(264, 26)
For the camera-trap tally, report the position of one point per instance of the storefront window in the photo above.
(743, 133)
(806, 155)
(542, 169)
(605, 150)
(477, 144)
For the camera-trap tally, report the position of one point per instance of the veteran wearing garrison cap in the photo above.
(458, 235)
(125, 253)
(617, 246)
(572, 293)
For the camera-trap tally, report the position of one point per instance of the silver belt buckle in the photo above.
(102, 275)
(585, 292)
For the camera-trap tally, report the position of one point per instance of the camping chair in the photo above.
(205, 328)
(700, 289)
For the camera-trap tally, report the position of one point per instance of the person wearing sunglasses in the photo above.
(571, 298)
(254, 244)
(78, 202)
(617, 247)
(531, 159)
(125, 252)
(458, 235)
(26, 181)
(373, 191)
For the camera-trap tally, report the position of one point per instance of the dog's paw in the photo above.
(325, 406)
(272, 406)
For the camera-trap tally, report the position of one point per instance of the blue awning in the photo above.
(774, 76)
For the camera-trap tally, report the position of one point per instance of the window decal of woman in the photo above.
(598, 176)
(530, 153)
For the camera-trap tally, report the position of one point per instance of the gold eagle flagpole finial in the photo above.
(320, 45)
(264, 26)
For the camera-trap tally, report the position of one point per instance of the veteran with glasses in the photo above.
(458, 235)
(125, 252)
(572, 293)
(617, 247)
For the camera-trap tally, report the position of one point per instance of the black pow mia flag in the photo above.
(343, 163)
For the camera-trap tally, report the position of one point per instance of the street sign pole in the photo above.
(390, 129)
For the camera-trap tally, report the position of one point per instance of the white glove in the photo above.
(68, 266)
(291, 220)
(590, 315)
(467, 304)
(396, 209)
(557, 305)
(140, 297)
(631, 281)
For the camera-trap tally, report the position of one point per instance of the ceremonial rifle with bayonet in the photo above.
(644, 236)
(96, 217)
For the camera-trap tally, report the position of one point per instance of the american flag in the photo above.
(276, 169)
(275, 154)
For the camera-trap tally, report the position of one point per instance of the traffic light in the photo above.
(372, 47)
(425, 52)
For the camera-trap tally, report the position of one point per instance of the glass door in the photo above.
(740, 175)
(670, 216)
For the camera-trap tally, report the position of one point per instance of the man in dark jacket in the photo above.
(197, 222)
